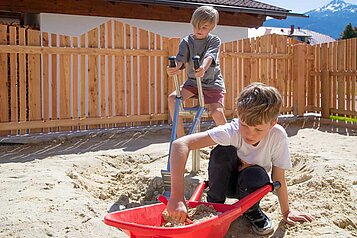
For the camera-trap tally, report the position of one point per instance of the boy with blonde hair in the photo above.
(205, 45)
(249, 147)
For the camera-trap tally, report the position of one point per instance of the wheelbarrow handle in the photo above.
(254, 197)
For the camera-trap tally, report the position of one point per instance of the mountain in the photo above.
(330, 19)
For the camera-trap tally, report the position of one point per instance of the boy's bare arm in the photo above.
(200, 72)
(278, 174)
(171, 71)
(179, 153)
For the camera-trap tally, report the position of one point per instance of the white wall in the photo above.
(74, 25)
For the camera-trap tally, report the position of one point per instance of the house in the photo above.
(166, 17)
(303, 35)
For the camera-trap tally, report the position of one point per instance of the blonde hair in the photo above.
(203, 15)
(258, 104)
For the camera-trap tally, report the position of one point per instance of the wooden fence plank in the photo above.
(348, 78)
(152, 78)
(255, 61)
(340, 79)
(240, 68)
(144, 85)
(110, 74)
(75, 82)
(14, 115)
(135, 78)
(54, 82)
(4, 90)
(83, 80)
(103, 83)
(246, 62)
(289, 76)
(22, 80)
(281, 70)
(299, 69)
(34, 80)
(333, 60)
(129, 77)
(121, 85)
(159, 78)
(228, 72)
(354, 69)
(164, 63)
(235, 82)
(45, 81)
(325, 83)
(310, 79)
(65, 96)
(93, 92)
(264, 48)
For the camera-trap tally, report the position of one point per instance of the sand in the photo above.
(62, 185)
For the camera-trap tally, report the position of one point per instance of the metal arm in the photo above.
(172, 64)
(196, 63)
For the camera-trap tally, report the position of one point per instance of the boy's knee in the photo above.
(218, 112)
(171, 98)
(253, 177)
(223, 154)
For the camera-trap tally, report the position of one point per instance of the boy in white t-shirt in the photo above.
(248, 149)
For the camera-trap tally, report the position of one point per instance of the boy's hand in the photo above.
(177, 210)
(200, 72)
(171, 71)
(292, 216)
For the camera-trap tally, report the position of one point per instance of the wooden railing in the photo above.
(115, 76)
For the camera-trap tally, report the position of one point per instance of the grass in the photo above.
(347, 119)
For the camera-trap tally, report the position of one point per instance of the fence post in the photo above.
(325, 83)
(299, 73)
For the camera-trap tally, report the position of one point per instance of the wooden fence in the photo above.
(115, 76)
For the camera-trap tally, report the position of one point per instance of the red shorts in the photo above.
(210, 95)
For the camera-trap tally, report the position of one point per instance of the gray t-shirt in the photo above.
(209, 46)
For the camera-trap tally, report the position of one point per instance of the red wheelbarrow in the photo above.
(146, 221)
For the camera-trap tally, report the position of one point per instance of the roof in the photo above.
(313, 37)
(240, 6)
(240, 13)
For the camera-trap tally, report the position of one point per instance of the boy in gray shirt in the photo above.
(205, 45)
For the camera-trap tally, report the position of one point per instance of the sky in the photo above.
(301, 6)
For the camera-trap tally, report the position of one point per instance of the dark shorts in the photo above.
(210, 95)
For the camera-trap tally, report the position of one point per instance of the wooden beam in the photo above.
(79, 51)
(125, 10)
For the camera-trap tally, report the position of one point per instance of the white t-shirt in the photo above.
(272, 150)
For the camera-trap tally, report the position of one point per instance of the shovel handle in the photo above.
(172, 60)
(196, 61)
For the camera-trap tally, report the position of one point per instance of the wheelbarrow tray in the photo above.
(146, 221)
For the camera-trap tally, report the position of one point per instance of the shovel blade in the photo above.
(166, 179)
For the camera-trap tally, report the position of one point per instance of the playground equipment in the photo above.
(146, 221)
(180, 110)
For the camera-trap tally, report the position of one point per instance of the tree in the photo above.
(349, 32)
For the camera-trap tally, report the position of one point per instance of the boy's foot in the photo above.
(261, 224)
